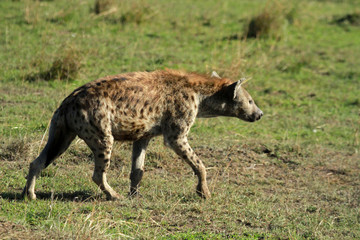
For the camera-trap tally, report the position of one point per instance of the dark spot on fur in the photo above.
(146, 103)
(98, 84)
(123, 78)
(150, 109)
(106, 94)
(106, 160)
(192, 98)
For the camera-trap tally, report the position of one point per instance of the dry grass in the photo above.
(102, 6)
(269, 22)
(137, 14)
(13, 150)
(31, 12)
(351, 19)
(66, 66)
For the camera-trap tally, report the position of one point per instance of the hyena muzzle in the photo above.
(137, 107)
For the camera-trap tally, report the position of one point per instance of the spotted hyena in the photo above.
(137, 107)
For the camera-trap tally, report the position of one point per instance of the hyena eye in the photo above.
(250, 101)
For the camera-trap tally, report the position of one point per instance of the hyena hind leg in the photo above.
(102, 147)
(59, 140)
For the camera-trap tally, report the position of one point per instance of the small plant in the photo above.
(15, 150)
(103, 6)
(269, 22)
(65, 67)
(136, 15)
(31, 14)
(350, 19)
(131, 13)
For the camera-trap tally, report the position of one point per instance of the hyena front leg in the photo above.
(137, 167)
(182, 148)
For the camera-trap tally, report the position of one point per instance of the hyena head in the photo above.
(240, 104)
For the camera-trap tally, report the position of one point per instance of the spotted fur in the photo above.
(137, 107)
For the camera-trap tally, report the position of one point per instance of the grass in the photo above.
(293, 175)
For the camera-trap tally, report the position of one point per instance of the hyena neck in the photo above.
(212, 106)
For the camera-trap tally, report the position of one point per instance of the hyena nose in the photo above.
(260, 114)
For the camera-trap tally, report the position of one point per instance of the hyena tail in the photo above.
(60, 138)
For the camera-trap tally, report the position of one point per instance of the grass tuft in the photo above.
(31, 15)
(14, 150)
(65, 66)
(269, 22)
(136, 15)
(135, 12)
(102, 6)
(348, 19)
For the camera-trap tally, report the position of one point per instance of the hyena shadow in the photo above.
(77, 196)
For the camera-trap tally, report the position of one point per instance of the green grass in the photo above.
(293, 175)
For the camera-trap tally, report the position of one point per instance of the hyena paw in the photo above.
(134, 194)
(113, 197)
(29, 195)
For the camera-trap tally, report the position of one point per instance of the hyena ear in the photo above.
(234, 90)
(214, 74)
(244, 80)
(237, 88)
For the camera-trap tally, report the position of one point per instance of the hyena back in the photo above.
(137, 107)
